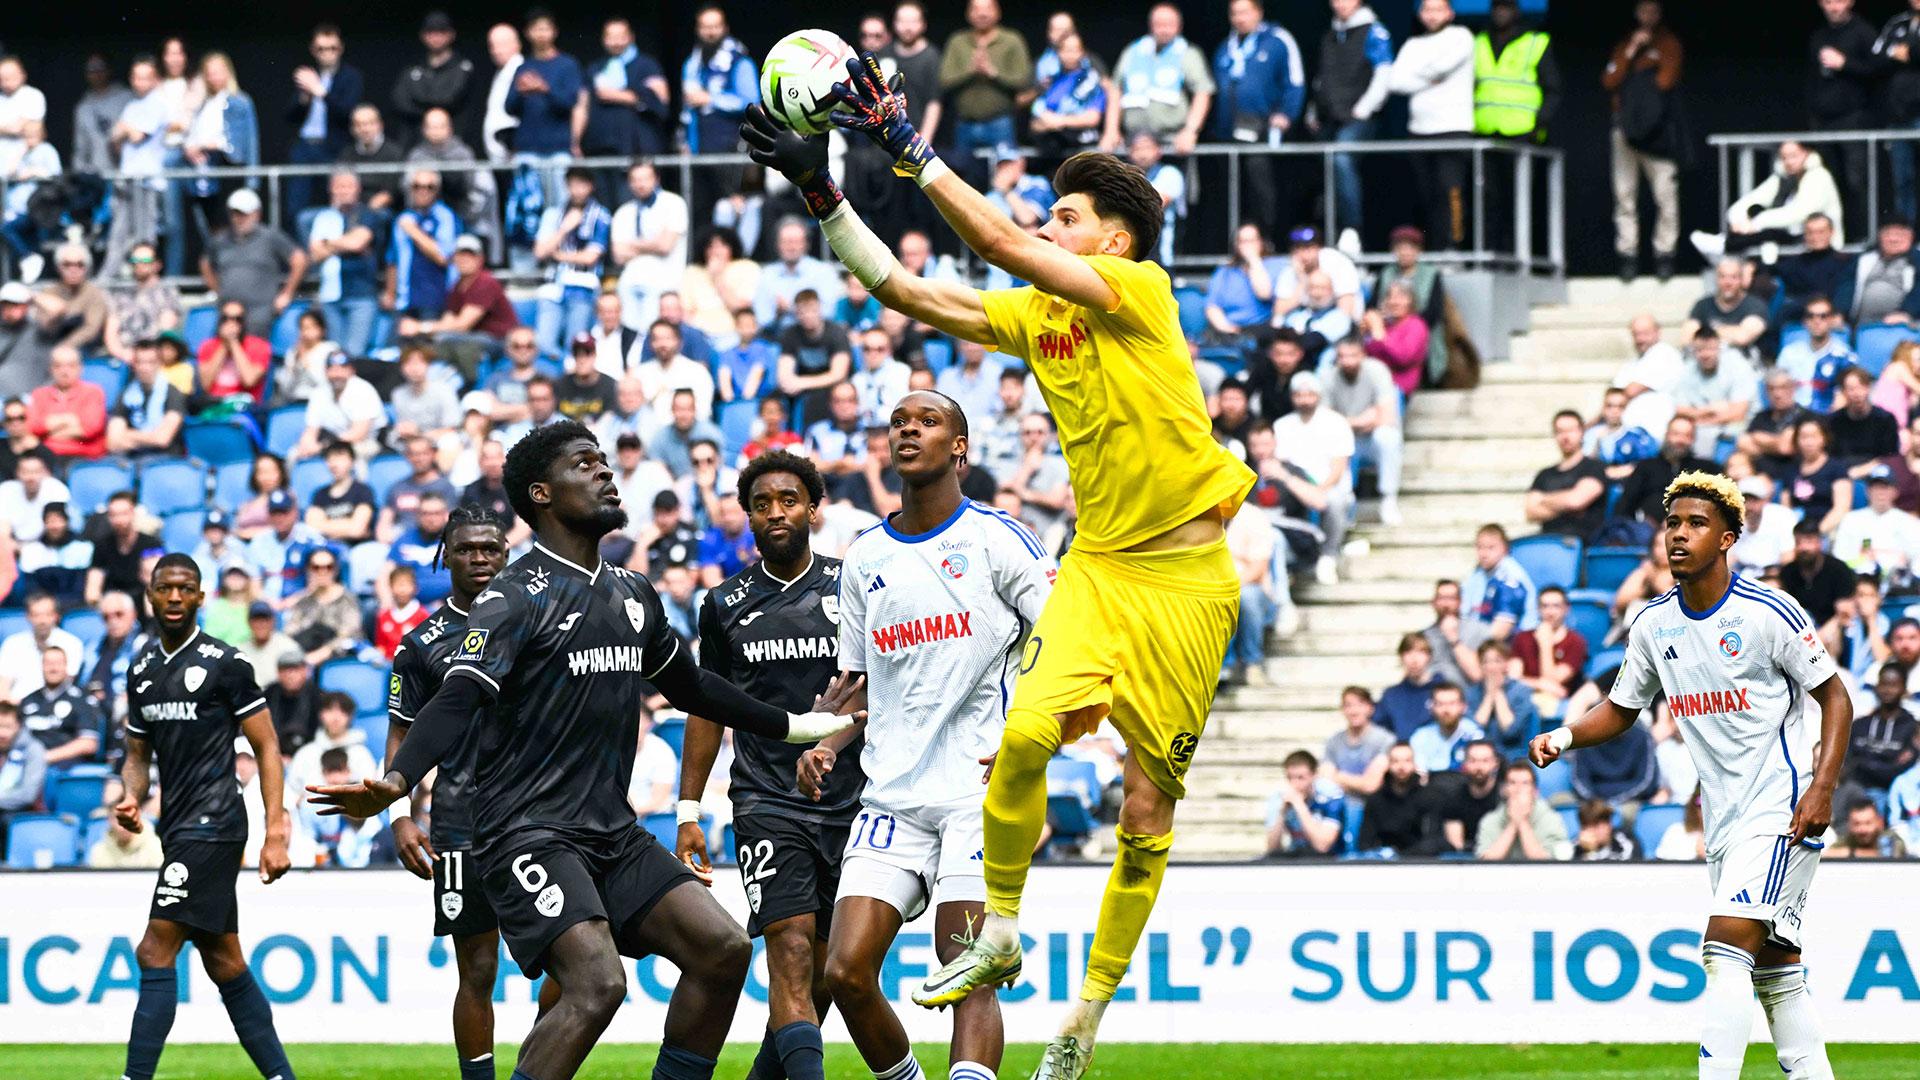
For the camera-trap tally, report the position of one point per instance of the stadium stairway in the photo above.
(1470, 455)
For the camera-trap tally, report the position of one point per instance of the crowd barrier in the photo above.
(1360, 952)
(1522, 247)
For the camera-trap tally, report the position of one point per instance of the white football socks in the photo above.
(1797, 1044)
(999, 933)
(906, 1069)
(1728, 1000)
(970, 1070)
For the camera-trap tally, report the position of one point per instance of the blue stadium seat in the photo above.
(1072, 824)
(1652, 824)
(1792, 332)
(1604, 661)
(180, 530)
(1590, 620)
(12, 621)
(385, 471)
(365, 562)
(284, 427)
(286, 328)
(169, 486)
(87, 625)
(78, 791)
(729, 847)
(1554, 780)
(94, 831)
(109, 375)
(383, 324)
(1570, 817)
(40, 841)
(199, 325)
(1231, 360)
(1193, 310)
(673, 732)
(90, 483)
(1080, 779)
(528, 310)
(1549, 559)
(365, 683)
(309, 476)
(218, 442)
(940, 353)
(374, 726)
(1874, 344)
(663, 827)
(736, 425)
(1607, 567)
(232, 484)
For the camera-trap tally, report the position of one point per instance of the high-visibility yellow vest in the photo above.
(1506, 90)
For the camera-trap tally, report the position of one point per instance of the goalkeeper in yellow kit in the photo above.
(1145, 602)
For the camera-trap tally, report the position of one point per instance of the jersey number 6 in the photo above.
(532, 876)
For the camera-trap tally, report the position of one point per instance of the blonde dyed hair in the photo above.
(1714, 488)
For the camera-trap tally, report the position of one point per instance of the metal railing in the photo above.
(1484, 154)
(1738, 155)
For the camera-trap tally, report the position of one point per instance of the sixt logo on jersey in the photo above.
(1061, 346)
(1710, 702)
(921, 631)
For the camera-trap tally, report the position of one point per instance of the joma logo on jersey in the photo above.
(607, 658)
(1061, 346)
(807, 648)
(170, 710)
(921, 631)
(1710, 702)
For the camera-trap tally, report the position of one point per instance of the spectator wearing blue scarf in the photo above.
(627, 99)
(571, 245)
(1262, 88)
(1070, 109)
(420, 267)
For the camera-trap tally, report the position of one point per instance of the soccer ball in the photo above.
(796, 82)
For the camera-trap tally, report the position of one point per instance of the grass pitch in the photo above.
(1855, 1061)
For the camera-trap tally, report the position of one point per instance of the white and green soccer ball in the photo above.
(796, 81)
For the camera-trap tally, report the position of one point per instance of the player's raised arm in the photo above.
(879, 111)
(946, 306)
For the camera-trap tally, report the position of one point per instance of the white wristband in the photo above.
(933, 170)
(687, 812)
(1560, 739)
(859, 250)
(814, 726)
(401, 808)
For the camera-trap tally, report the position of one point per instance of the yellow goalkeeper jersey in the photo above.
(1122, 390)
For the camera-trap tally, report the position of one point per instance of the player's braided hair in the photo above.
(1713, 488)
(531, 458)
(780, 461)
(459, 518)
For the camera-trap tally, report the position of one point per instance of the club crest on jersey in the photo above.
(636, 615)
(753, 897)
(1180, 752)
(830, 607)
(550, 901)
(451, 904)
(1730, 644)
(954, 566)
(194, 677)
(473, 645)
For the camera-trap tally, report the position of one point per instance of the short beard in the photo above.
(784, 551)
(598, 522)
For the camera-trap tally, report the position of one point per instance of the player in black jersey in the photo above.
(474, 547)
(774, 629)
(558, 656)
(187, 697)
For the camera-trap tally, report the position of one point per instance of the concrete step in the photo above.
(1342, 643)
(1610, 294)
(1464, 423)
(1264, 753)
(1456, 510)
(1528, 404)
(1504, 479)
(1240, 780)
(1414, 592)
(1560, 370)
(1309, 729)
(1280, 699)
(1327, 675)
(1509, 452)
(1396, 617)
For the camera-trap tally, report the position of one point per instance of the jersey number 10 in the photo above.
(866, 831)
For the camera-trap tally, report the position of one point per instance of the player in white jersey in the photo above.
(935, 603)
(1737, 661)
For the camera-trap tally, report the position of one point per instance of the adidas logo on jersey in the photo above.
(1712, 701)
(921, 631)
(878, 584)
(809, 648)
(1672, 653)
(1741, 897)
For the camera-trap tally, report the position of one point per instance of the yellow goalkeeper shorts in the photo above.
(1138, 637)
